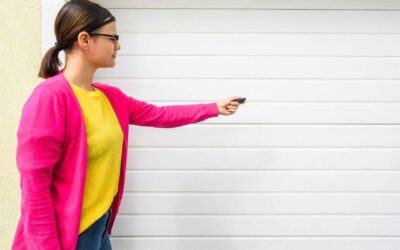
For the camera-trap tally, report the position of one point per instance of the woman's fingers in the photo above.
(233, 105)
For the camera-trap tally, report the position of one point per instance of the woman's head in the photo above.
(82, 28)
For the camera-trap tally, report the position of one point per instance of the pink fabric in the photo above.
(52, 155)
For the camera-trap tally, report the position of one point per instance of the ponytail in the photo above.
(50, 63)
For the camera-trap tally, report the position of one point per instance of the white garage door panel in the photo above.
(266, 44)
(201, 90)
(240, 4)
(256, 243)
(254, 67)
(288, 21)
(263, 158)
(316, 113)
(259, 225)
(260, 203)
(238, 136)
(261, 181)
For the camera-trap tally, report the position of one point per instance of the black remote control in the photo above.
(240, 100)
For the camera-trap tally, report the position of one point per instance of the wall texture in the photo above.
(20, 41)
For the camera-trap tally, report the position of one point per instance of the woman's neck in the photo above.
(79, 73)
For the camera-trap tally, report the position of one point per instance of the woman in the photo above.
(72, 136)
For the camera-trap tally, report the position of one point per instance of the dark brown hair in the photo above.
(74, 17)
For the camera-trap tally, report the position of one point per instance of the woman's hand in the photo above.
(227, 106)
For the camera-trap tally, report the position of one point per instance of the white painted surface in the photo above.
(50, 9)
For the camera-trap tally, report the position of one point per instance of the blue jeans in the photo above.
(96, 237)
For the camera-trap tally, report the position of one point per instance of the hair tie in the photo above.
(57, 46)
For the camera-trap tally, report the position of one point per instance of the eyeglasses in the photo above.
(114, 38)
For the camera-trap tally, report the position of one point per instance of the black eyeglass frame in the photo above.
(115, 37)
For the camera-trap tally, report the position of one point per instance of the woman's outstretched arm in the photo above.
(146, 114)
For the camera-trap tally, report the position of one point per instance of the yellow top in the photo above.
(104, 140)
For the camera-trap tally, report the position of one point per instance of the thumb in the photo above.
(234, 97)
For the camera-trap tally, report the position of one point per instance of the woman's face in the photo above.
(104, 50)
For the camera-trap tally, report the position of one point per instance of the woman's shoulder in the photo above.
(51, 85)
(50, 90)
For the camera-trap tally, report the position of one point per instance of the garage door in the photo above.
(311, 161)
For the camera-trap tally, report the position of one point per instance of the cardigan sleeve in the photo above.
(40, 138)
(170, 116)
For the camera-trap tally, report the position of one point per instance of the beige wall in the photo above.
(20, 41)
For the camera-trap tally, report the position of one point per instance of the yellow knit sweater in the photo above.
(104, 141)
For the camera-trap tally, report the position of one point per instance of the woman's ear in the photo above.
(83, 40)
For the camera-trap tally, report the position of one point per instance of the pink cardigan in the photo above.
(52, 154)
